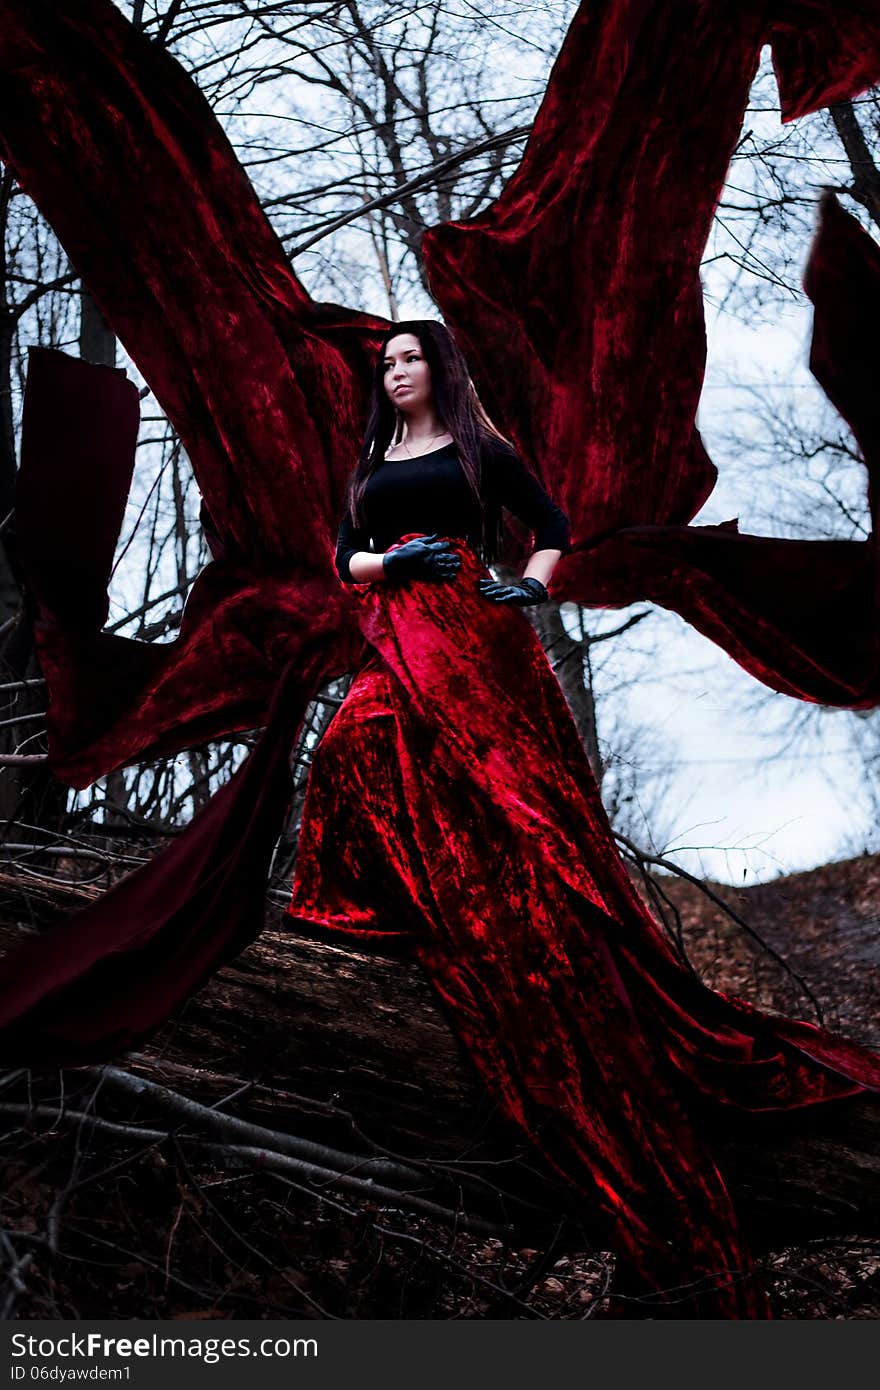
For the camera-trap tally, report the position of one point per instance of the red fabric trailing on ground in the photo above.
(576, 295)
(451, 803)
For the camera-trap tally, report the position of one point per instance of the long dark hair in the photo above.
(458, 407)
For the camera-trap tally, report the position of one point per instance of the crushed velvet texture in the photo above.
(108, 133)
(451, 804)
(824, 51)
(104, 978)
(578, 299)
(114, 699)
(801, 616)
(576, 293)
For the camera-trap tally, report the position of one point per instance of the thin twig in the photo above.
(413, 185)
(662, 862)
(248, 1156)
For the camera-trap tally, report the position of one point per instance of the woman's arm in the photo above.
(365, 567)
(541, 564)
(522, 493)
(355, 564)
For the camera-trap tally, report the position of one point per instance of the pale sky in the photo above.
(754, 817)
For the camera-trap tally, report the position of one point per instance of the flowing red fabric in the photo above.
(114, 699)
(577, 298)
(103, 979)
(451, 804)
(128, 163)
(580, 287)
(576, 294)
(801, 616)
(265, 387)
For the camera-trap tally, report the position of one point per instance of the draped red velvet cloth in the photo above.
(802, 616)
(239, 628)
(266, 388)
(579, 289)
(577, 298)
(577, 293)
(103, 979)
(451, 803)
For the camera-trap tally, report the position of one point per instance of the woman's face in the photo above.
(407, 377)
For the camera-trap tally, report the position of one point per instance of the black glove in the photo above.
(523, 593)
(426, 557)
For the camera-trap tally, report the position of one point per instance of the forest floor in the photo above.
(99, 1222)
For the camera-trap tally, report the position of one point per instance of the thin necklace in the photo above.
(430, 441)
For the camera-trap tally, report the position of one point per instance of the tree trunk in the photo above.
(566, 655)
(866, 176)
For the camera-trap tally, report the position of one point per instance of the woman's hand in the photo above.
(426, 557)
(523, 593)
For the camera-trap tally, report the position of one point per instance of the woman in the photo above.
(405, 403)
(450, 803)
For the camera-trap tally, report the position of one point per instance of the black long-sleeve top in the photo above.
(431, 494)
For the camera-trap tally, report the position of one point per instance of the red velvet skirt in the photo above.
(450, 802)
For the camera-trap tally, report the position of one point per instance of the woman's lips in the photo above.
(398, 389)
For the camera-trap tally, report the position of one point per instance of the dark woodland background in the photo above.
(305, 1139)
